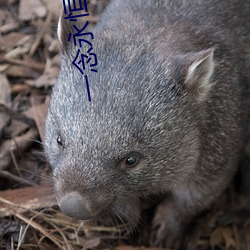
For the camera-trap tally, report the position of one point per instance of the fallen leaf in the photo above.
(5, 100)
(39, 112)
(8, 27)
(228, 237)
(54, 7)
(10, 40)
(18, 144)
(21, 71)
(137, 248)
(217, 237)
(22, 199)
(222, 236)
(28, 9)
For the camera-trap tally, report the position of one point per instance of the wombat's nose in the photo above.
(74, 205)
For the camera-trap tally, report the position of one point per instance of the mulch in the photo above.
(29, 216)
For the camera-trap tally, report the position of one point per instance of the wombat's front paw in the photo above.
(168, 236)
(170, 230)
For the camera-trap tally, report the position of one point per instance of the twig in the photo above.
(42, 32)
(18, 179)
(32, 65)
(15, 115)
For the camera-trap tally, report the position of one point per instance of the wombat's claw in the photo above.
(166, 238)
(170, 228)
(169, 233)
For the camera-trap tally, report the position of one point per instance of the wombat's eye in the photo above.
(132, 160)
(59, 140)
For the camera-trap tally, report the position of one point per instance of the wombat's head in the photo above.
(139, 135)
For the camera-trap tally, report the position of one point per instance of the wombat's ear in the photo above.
(64, 28)
(200, 67)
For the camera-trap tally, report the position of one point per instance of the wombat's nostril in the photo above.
(74, 205)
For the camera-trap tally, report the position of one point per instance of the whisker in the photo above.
(36, 140)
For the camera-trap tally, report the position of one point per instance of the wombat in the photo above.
(167, 115)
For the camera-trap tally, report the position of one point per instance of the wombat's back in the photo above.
(225, 21)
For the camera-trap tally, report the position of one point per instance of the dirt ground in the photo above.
(29, 217)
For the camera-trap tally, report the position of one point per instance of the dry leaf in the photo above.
(54, 7)
(5, 100)
(222, 236)
(22, 199)
(10, 40)
(217, 237)
(228, 237)
(28, 9)
(138, 248)
(18, 144)
(6, 28)
(22, 71)
(39, 112)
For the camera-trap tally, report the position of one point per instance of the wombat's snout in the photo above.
(75, 205)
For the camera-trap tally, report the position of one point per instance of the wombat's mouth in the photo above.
(122, 220)
(120, 213)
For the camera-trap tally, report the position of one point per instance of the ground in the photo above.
(29, 217)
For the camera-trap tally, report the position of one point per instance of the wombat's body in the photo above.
(168, 110)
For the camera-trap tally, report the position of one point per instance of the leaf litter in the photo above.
(29, 216)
